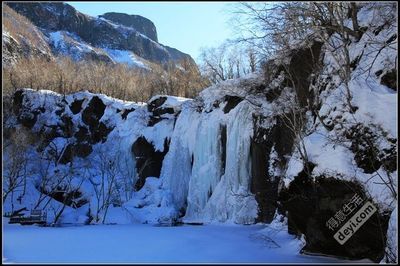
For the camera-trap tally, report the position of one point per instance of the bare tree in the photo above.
(280, 27)
(15, 163)
(69, 191)
(104, 183)
(227, 61)
(294, 117)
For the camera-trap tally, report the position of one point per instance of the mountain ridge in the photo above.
(107, 31)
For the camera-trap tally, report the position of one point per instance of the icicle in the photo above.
(207, 166)
(177, 168)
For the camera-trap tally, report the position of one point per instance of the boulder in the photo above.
(148, 160)
(311, 204)
(76, 106)
(231, 102)
(93, 112)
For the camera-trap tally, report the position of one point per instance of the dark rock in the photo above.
(67, 126)
(59, 111)
(232, 101)
(76, 106)
(303, 62)
(378, 29)
(126, 112)
(155, 107)
(191, 163)
(154, 120)
(310, 205)
(82, 134)
(67, 155)
(148, 160)
(100, 133)
(273, 94)
(264, 185)
(18, 100)
(160, 111)
(93, 112)
(378, 73)
(283, 140)
(259, 88)
(82, 149)
(51, 132)
(390, 79)
(97, 56)
(139, 23)
(156, 103)
(28, 119)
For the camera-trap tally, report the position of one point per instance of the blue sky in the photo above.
(186, 26)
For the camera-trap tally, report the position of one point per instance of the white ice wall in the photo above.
(211, 195)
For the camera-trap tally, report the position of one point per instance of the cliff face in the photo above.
(21, 38)
(111, 31)
(139, 23)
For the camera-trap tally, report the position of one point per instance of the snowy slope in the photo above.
(69, 44)
(125, 57)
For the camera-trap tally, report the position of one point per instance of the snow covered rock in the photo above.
(311, 204)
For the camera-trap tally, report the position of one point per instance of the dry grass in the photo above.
(64, 75)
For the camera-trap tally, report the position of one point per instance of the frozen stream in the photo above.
(146, 243)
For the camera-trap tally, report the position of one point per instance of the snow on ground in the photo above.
(68, 43)
(125, 57)
(150, 244)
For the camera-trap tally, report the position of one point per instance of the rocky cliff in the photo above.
(139, 23)
(21, 38)
(110, 37)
